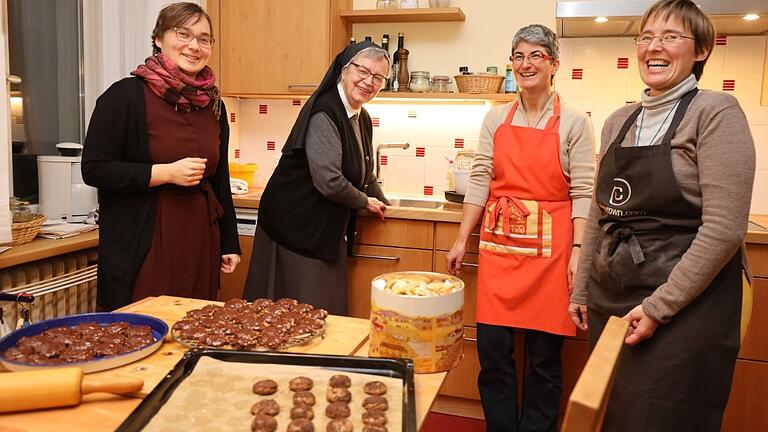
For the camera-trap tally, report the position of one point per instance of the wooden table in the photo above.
(103, 412)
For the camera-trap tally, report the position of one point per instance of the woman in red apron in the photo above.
(531, 177)
(663, 242)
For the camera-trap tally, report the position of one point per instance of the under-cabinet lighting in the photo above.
(601, 19)
(750, 17)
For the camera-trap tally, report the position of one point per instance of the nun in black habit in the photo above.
(324, 176)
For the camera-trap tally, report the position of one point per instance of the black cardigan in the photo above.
(294, 213)
(116, 160)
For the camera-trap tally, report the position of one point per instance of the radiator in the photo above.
(62, 285)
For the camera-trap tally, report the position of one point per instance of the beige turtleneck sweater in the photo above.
(713, 159)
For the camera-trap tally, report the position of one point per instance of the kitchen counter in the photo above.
(41, 248)
(344, 336)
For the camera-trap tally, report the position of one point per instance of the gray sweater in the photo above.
(713, 159)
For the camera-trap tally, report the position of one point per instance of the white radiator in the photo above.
(62, 285)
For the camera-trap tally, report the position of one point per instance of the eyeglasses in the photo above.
(535, 57)
(363, 72)
(664, 39)
(185, 35)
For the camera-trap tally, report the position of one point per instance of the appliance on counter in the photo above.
(63, 193)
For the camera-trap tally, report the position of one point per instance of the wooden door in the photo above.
(746, 410)
(232, 283)
(469, 276)
(276, 46)
(372, 261)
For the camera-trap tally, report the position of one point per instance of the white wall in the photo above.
(5, 132)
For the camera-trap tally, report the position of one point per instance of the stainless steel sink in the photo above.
(415, 202)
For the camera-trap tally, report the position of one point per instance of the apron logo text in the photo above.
(621, 192)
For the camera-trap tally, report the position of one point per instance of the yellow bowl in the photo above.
(243, 171)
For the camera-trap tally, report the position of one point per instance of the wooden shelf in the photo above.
(390, 96)
(403, 15)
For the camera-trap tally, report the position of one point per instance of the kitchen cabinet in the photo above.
(469, 276)
(403, 15)
(371, 261)
(276, 46)
(748, 400)
(232, 283)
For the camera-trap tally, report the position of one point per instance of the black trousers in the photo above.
(497, 381)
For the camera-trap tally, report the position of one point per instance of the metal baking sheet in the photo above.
(401, 369)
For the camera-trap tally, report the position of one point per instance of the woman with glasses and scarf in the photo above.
(663, 244)
(156, 149)
(325, 175)
(529, 188)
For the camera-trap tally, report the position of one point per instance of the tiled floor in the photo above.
(436, 422)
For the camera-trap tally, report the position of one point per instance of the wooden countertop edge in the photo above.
(41, 248)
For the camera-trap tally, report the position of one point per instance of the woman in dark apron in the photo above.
(664, 234)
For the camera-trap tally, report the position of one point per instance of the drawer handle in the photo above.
(474, 234)
(302, 85)
(469, 264)
(469, 339)
(376, 257)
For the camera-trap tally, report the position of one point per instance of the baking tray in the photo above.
(159, 330)
(394, 368)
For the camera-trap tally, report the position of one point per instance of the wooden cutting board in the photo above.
(343, 336)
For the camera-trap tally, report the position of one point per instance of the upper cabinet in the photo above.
(275, 46)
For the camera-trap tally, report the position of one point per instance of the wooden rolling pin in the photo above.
(49, 388)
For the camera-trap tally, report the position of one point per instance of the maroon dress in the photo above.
(185, 256)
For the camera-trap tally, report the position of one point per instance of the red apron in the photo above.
(527, 233)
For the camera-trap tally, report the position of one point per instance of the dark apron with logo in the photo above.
(680, 378)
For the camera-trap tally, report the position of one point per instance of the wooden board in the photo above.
(343, 337)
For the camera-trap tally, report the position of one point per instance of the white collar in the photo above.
(347, 106)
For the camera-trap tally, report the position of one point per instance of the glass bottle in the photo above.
(352, 40)
(385, 47)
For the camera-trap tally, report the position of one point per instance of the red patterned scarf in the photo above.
(173, 85)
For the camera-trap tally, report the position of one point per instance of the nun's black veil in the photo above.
(299, 131)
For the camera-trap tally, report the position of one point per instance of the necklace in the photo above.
(640, 128)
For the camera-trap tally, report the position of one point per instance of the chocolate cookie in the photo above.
(339, 425)
(340, 381)
(377, 403)
(337, 410)
(375, 388)
(375, 418)
(265, 387)
(263, 423)
(338, 394)
(300, 383)
(266, 406)
(374, 428)
(302, 411)
(303, 398)
(301, 425)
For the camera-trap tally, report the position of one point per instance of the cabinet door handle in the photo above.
(474, 234)
(469, 264)
(469, 339)
(302, 85)
(377, 257)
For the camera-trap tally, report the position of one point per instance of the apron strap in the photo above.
(679, 114)
(625, 127)
(511, 113)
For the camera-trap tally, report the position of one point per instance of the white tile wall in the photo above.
(436, 126)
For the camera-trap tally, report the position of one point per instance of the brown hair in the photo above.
(694, 20)
(176, 15)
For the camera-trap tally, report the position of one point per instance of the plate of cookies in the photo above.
(260, 325)
(267, 392)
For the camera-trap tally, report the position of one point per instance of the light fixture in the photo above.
(750, 17)
(601, 19)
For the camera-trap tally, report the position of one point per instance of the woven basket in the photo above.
(25, 232)
(479, 83)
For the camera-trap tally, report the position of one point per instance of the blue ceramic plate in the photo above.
(159, 330)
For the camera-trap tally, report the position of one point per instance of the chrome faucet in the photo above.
(403, 145)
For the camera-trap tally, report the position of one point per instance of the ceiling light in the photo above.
(601, 19)
(750, 17)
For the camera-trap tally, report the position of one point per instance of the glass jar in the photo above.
(419, 82)
(20, 211)
(387, 4)
(441, 84)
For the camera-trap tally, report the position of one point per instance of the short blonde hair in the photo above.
(694, 20)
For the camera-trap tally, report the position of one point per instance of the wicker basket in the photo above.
(479, 83)
(25, 232)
